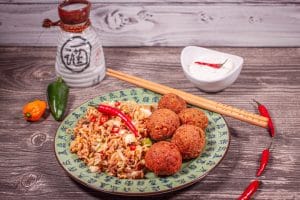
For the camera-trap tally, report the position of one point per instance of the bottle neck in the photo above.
(72, 28)
(75, 28)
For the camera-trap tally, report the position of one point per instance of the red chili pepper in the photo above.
(264, 112)
(93, 119)
(133, 147)
(213, 65)
(116, 112)
(263, 161)
(117, 103)
(115, 129)
(103, 119)
(129, 117)
(250, 190)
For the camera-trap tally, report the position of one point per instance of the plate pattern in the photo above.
(217, 143)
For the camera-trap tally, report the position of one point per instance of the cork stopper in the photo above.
(74, 11)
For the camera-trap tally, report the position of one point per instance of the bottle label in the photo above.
(75, 54)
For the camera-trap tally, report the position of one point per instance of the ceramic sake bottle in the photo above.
(80, 58)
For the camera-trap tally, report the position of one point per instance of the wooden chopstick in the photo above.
(194, 100)
(130, 78)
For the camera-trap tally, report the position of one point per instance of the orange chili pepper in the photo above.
(34, 110)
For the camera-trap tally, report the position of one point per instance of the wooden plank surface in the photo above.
(205, 23)
(271, 2)
(29, 169)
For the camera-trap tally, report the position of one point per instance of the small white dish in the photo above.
(210, 82)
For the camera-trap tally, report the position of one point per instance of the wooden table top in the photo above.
(29, 169)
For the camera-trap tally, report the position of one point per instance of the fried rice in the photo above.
(105, 144)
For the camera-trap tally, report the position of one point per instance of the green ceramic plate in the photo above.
(217, 143)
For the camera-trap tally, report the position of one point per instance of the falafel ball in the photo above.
(162, 124)
(193, 116)
(190, 141)
(163, 158)
(173, 102)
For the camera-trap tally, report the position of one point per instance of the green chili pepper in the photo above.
(57, 94)
(146, 142)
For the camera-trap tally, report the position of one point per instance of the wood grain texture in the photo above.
(206, 23)
(29, 169)
(271, 2)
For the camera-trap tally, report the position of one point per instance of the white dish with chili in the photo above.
(210, 70)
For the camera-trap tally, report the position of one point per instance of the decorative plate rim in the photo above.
(135, 193)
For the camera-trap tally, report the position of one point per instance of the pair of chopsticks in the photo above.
(194, 100)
